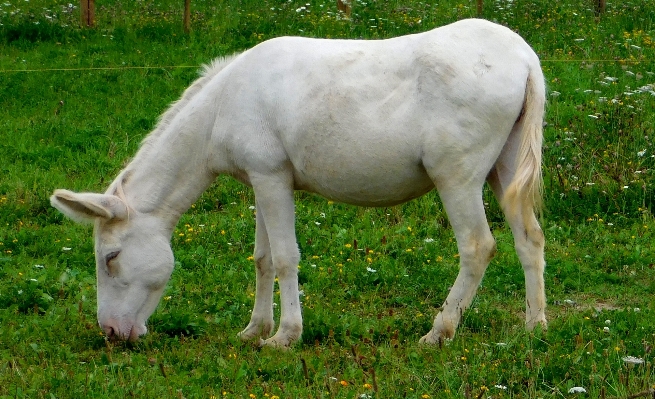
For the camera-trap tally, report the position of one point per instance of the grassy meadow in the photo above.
(75, 103)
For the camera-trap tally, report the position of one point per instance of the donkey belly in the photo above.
(361, 179)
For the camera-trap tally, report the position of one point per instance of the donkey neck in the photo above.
(170, 171)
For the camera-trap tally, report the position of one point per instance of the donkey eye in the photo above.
(111, 256)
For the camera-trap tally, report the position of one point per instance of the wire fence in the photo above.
(98, 68)
(118, 68)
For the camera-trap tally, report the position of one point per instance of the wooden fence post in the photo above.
(187, 16)
(88, 12)
(345, 6)
(600, 6)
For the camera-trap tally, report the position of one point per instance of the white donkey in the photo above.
(371, 123)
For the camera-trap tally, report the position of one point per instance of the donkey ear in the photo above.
(87, 207)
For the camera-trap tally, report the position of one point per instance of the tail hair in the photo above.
(527, 183)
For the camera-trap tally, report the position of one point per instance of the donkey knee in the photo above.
(263, 264)
(286, 264)
(483, 248)
(489, 249)
(479, 253)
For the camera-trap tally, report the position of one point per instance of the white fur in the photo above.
(372, 123)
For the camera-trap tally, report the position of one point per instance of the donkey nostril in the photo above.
(109, 330)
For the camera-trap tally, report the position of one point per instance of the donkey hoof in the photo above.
(276, 343)
(429, 339)
(434, 338)
(542, 324)
(282, 340)
(248, 335)
(256, 330)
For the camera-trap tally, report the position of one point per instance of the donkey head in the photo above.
(134, 259)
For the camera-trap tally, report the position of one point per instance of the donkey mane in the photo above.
(207, 72)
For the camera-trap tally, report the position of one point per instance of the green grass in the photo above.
(65, 125)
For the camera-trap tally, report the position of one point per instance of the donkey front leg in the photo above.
(261, 322)
(476, 247)
(274, 196)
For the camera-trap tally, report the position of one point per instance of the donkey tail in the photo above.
(525, 189)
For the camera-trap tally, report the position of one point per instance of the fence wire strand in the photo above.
(100, 68)
(119, 68)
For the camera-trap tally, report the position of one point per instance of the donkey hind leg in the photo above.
(261, 322)
(476, 247)
(274, 196)
(529, 243)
